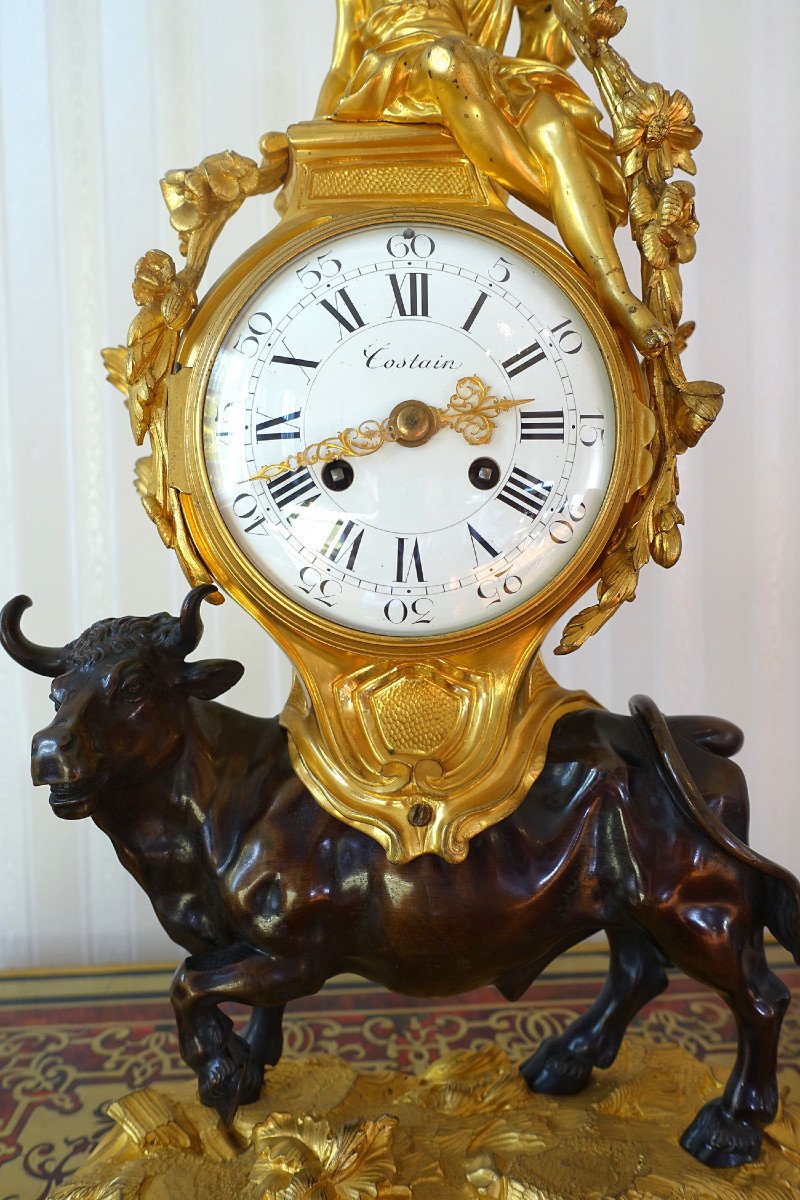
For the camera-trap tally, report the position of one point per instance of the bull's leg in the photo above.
(264, 1035)
(230, 1068)
(563, 1065)
(727, 1132)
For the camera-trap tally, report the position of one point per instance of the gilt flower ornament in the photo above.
(658, 135)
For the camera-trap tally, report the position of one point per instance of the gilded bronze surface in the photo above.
(337, 749)
(200, 202)
(467, 1128)
(400, 146)
(654, 132)
(524, 123)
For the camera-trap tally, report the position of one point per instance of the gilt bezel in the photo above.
(229, 565)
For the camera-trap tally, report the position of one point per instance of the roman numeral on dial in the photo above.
(276, 429)
(340, 542)
(478, 540)
(350, 323)
(294, 488)
(408, 561)
(479, 303)
(525, 493)
(524, 359)
(545, 426)
(411, 293)
(291, 361)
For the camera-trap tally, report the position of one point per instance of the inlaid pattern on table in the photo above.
(72, 1042)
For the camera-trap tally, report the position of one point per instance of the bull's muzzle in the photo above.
(59, 762)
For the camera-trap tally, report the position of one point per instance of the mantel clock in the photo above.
(406, 430)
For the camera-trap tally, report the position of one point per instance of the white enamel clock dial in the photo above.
(417, 540)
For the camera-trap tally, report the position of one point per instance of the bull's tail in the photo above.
(711, 733)
(782, 889)
(783, 915)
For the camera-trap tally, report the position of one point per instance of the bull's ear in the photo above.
(211, 677)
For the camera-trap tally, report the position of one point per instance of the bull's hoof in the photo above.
(556, 1070)
(720, 1140)
(222, 1080)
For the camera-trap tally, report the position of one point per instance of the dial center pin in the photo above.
(412, 422)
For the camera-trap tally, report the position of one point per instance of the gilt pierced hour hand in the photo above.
(471, 411)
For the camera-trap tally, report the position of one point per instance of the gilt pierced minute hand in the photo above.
(471, 411)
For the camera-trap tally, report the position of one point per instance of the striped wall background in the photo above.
(97, 99)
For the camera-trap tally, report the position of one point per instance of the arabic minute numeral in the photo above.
(592, 429)
(324, 266)
(318, 587)
(562, 526)
(397, 612)
(501, 271)
(222, 418)
(566, 337)
(492, 593)
(410, 244)
(258, 326)
(245, 506)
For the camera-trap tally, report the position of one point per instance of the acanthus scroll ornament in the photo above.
(200, 201)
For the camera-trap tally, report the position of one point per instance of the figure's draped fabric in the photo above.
(391, 83)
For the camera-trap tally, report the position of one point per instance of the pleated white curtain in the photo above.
(97, 99)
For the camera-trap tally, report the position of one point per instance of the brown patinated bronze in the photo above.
(637, 825)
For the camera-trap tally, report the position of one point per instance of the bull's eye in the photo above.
(133, 688)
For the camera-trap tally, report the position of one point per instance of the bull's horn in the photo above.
(191, 624)
(44, 660)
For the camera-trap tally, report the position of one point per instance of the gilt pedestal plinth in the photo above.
(465, 1129)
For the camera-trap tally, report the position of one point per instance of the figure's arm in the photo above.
(543, 37)
(346, 54)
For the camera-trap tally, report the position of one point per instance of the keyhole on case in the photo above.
(337, 475)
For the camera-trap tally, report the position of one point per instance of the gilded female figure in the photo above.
(523, 121)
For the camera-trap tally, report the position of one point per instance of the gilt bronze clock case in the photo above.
(421, 741)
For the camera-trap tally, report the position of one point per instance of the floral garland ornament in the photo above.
(200, 201)
(654, 134)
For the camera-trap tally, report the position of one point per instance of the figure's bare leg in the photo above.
(544, 165)
(580, 215)
(495, 145)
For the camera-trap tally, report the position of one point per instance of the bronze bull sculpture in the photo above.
(637, 825)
